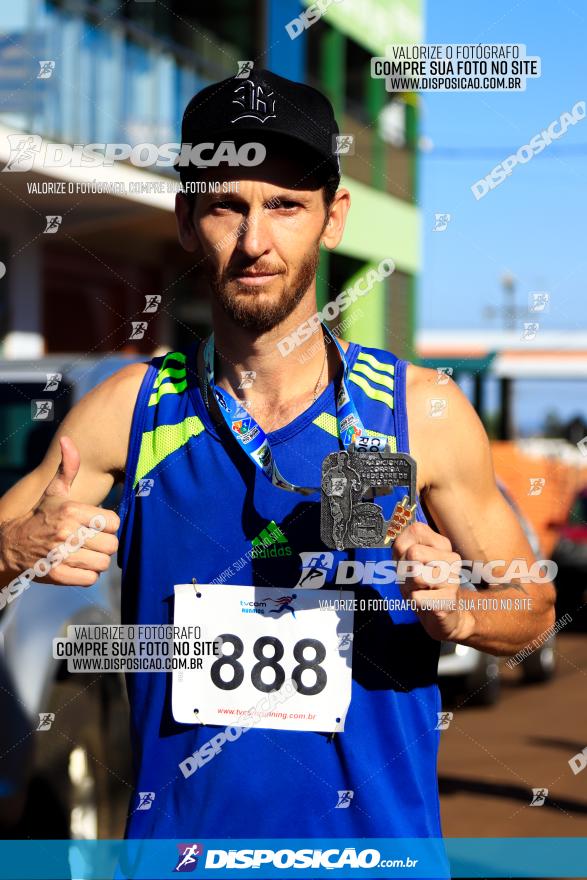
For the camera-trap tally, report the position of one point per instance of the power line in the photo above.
(498, 152)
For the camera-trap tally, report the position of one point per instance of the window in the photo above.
(358, 65)
(23, 441)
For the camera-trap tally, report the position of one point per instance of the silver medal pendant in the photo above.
(348, 519)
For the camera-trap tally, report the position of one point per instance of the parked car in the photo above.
(570, 554)
(476, 674)
(68, 775)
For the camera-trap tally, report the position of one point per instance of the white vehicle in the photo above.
(477, 674)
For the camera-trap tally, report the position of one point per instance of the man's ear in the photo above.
(336, 219)
(184, 215)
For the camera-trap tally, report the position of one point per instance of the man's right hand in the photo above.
(54, 523)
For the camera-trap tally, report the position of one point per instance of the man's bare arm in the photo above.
(473, 518)
(86, 457)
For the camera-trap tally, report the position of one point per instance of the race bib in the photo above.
(274, 658)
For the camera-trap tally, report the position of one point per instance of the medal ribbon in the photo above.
(253, 440)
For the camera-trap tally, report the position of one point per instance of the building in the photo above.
(123, 74)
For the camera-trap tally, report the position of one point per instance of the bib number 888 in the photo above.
(271, 662)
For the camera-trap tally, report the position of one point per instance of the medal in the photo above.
(347, 520)
(350, 478)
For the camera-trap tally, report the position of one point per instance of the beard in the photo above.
(245, 306)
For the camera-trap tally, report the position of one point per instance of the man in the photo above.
(214, 491)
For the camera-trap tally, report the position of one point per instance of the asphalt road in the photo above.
(492, 758)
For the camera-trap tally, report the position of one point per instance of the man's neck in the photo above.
(276, 371)
(275, 387)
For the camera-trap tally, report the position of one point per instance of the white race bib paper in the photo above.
(280, 660)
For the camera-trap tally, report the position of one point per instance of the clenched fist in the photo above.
(436, 599)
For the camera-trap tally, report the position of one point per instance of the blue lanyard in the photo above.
(253, 440)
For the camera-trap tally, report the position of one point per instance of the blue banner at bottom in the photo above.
(424, 859)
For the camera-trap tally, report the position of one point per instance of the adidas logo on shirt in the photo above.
(270, 542)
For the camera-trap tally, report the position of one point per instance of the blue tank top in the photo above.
(203, 504)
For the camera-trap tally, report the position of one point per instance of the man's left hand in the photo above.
(436, 598)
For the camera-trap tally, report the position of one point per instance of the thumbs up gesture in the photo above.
(63, 541)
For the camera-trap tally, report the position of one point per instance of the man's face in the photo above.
(258, 244)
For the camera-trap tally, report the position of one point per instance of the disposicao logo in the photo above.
(188, 857)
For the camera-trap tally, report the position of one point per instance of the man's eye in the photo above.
(287, 205)
(221, 206)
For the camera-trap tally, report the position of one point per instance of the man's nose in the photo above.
(254, 237)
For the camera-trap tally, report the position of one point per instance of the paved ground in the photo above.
(491, 759)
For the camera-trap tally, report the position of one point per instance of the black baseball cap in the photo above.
(286, 116)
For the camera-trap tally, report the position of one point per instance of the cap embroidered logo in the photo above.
(255, 102)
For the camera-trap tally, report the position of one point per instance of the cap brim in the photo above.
(316, 163)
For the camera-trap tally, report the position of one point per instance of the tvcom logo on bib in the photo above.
(279, 606)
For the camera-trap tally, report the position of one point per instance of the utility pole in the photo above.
(508, 311)
(510, 315)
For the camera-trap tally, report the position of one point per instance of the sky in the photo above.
(534, 224)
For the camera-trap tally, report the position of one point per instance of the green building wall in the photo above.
(379, 226)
